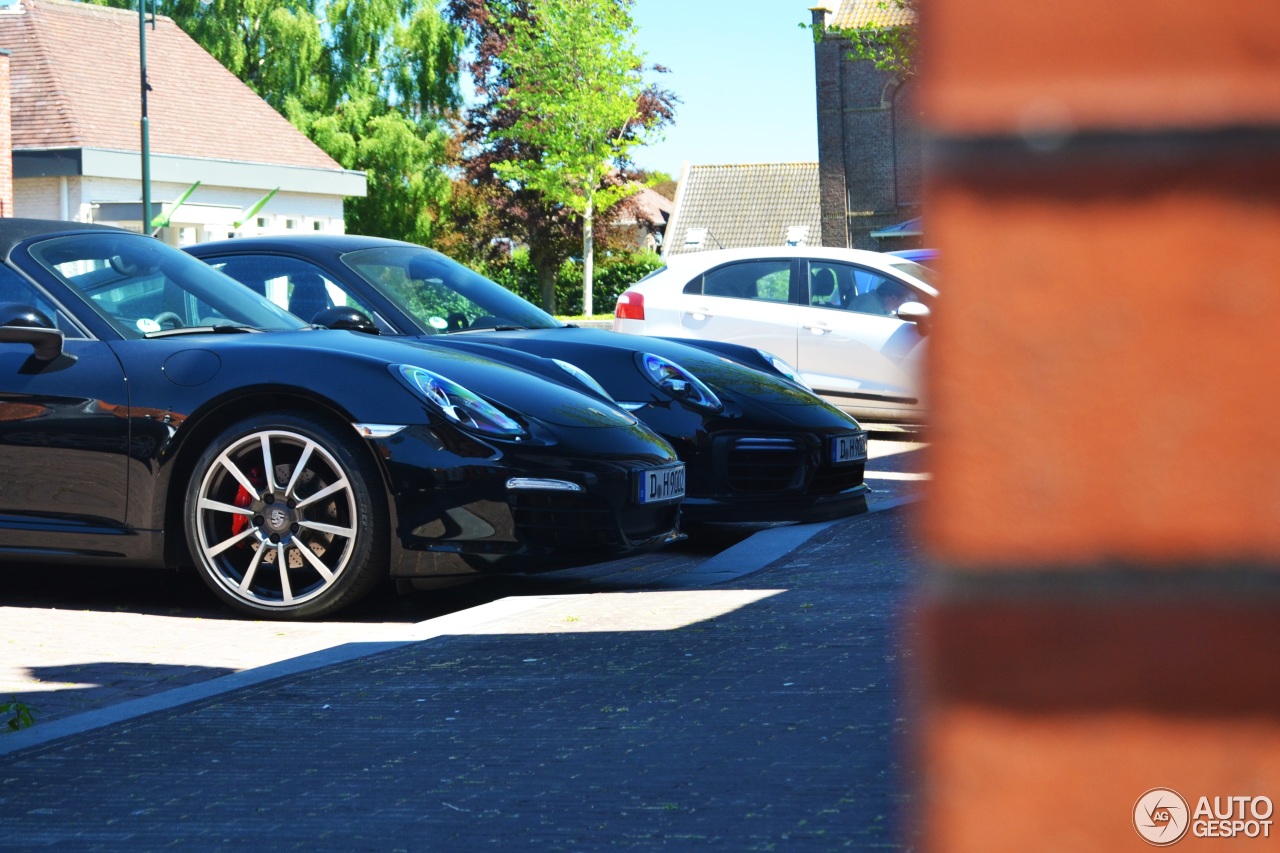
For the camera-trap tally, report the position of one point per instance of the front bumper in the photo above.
(753, 476)
(454, 512)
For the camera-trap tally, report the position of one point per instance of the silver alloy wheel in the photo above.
(276, 519)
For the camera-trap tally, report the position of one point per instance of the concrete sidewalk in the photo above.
(763, 712)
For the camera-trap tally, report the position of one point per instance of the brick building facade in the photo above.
(869, 151)
(6, 138)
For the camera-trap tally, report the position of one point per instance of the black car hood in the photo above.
(606, 353)
(347, 357)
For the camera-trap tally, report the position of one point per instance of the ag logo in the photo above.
(1161, 816)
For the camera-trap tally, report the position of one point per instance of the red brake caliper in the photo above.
(243, 499)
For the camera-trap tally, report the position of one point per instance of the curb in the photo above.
(751, 555)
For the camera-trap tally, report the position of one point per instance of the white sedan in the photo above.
(852, 322)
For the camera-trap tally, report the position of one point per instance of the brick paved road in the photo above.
(763, 714)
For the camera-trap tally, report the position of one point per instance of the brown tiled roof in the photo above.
(75, 85)
(878, 13)
(745, 205)
(645, 206)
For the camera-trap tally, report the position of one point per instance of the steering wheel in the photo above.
(168, 317)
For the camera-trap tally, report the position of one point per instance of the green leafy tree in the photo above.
(574, 78)
(886, 36)
(495, 211)
(372, 82)
(661, 183)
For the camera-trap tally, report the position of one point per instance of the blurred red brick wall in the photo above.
(1103, 615)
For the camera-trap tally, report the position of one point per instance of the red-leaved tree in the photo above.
(506, 209)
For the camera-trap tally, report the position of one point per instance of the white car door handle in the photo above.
(818, 330)
(698, 313)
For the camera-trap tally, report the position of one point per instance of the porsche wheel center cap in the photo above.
(277, 518)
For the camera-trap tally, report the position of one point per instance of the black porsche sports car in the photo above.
(758, 446)
(153, 412)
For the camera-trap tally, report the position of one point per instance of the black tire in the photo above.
(316, 506)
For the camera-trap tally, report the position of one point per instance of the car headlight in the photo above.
(678, 382)
(458, 404)
(785, 369)
(583, 377)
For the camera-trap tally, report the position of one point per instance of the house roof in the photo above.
(729, 207)
(877, 13)
(75, 84)
(646, 207)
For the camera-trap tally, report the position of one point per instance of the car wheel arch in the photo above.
(319, 537)
(209, 422)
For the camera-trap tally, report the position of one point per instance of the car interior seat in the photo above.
(848, 292)
(823, 288)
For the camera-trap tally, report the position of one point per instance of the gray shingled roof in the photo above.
(745, 205)
(74, 71)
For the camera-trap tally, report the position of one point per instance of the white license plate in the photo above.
(848, 448)
(661, 484)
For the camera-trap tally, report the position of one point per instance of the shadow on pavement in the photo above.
(766, 716)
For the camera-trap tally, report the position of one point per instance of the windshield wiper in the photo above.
(202, 330)
(490, 329)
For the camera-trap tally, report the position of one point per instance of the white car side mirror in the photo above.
(913, 312)
(917, 313)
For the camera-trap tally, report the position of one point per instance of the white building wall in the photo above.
(208, 214)
(37, 198)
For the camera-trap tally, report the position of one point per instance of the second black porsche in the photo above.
(758, 446)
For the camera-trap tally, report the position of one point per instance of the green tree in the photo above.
(372, 82)
(490, 212)
(574, 79)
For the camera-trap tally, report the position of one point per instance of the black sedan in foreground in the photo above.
(758, 446)
(155, 413)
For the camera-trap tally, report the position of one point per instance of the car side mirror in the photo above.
(23, 324)
(914, 312)
(345, 317)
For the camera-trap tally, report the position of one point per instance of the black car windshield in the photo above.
(441, 295)
(144, 288)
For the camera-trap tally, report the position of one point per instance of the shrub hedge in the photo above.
(612, 275)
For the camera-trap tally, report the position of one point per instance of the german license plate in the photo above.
(848, 448)
(661, 484)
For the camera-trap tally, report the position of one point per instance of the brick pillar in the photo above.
(6, 138)
(828, 63)
(1102, 615)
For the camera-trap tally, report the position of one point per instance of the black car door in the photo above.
(64, 430)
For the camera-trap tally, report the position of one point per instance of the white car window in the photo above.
(767, 281)
(850, 288)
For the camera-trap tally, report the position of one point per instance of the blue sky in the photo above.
(743, 70)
